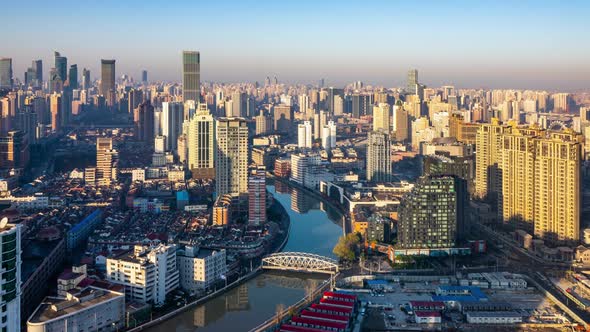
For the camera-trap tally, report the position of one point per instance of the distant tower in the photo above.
(201, 149)
(257, 196)
(191, 76)
(107, 81)
(85, 79)
(143, 116)
(61, 66)
(37, 66)
(412, 80)
(73, 77)
(5, 73)
(144, 77)
(171, 123)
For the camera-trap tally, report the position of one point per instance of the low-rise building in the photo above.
(91, 309)
(199, 269)
(493, 317)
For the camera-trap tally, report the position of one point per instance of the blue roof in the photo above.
(88, 219)
(377, 282)
(182, 195)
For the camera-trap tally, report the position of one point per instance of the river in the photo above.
(315, 228)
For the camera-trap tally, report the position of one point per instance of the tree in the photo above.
(346, 247)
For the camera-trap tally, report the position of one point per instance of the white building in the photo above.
(304, 139)
(10, 274)
(199, 269)
(171, 123)
(329, 136)
(308, 171)
(148, 273)
(91, 309)
(160, 144)
(138, 174)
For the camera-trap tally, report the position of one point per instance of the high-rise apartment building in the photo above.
(56, 111)
(379, 157)
(10, 275)
(402, 124)
(257, 196)
(381, 117)
(283, 118)
(107, 81)
(37, 66)
(329, 136)
(201, 140)
(171, 123)
(200, 268)
(6, 73)
(434, 213)
(106, 161)
(231, 159)
(487, 172)
(191, 76)
(412, 80)
(304, 139)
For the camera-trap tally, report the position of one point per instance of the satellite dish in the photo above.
(3, 222)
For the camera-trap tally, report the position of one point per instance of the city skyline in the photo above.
(501, 45)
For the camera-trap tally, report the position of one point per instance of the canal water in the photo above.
(315, 228)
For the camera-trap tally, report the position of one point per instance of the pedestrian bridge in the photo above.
(300, 262)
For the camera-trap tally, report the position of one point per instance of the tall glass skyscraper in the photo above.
(61, 66)
(107, 81)
(191, 75)
(6, 73)
(412, 80)
(73, 77)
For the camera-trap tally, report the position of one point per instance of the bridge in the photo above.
(300, 262)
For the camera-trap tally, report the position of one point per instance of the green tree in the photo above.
(346, 247)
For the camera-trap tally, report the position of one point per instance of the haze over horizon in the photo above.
(524, 45)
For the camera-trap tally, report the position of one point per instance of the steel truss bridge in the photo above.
(301, 262)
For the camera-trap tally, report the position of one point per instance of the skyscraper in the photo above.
(379, 157)
(201, 149)
(106, 160)
(61, 66)
(85, 79)
(55, 108)
(257, 196)
(37, 66)
(144, 77)
(412, 80)
(73, 77)
(143, 117)
(434, 213)
(191, 76)
(332, 92)
(304, 139)
(239, 104)
(5, 73)
(171, 122)
(10, 237)
(231, 159)
(283, 118)
(402, 123)
(107, 81)
(329, 136)
(381, 117)
(487, 173)
(14, 150)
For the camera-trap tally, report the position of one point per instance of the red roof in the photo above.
(337, 303)
(427, 313)
(293, 328)
(317, 306)
(317, 322)
(340, 295)
(427, 304)
(319, 315)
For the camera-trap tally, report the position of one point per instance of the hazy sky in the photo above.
(510, 44)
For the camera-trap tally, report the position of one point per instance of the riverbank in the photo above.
(278, 245)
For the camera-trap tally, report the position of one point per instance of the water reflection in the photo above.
(315, 228)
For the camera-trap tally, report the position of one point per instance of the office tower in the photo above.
(360, 105)
(5, 73)
(379, 157)
(329, 136)
(257, 196)
(319, 121)
(61, 66)
(134, 99)
(56, 109)
(434, 213)
(143, 118)
(147, 273)
(29, 77)
(338, 105)
(107, 81)
(201, 140)
(73, 77)
(231, 159)
(171, 123)
(106, 160)
(10, 237)
(85, 79)
(144, 77)
(55, 82)
(14, 150)
(381, 117)
(283, 118)
(303, 102)
(332, 93)
(412, 80)
(304, 139)
(37, 66)
(191, 76)
(488, 180)
(239, 104)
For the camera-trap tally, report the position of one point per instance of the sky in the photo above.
(470, 44)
